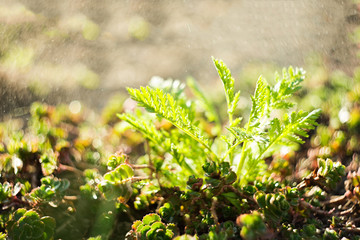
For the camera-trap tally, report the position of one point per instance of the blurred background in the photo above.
(88, 51)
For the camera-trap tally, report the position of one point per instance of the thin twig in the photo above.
(143, 166)
(312, 181)
(152, 168)
(71, 198)
(213, 212)
(137, 179)
(63, 167)
(350, 230)
(335, 200)
(347, 211)
(316, 209)
(356, 219)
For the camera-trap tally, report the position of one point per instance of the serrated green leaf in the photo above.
(125, 171)
(165, 106)
(232, 99)
(151, 218)
(260, 103)
(19, 213)
(49, 226)
(226, 78)
(143, 229)
(158, 225)
(233, 199)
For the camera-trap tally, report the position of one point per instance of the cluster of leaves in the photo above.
(28, 225)
(50, 164)
(258, 137)
(275, 208)
(189, 174)
(151, 227)
(214, 209)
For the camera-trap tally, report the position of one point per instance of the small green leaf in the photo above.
(158, 225)
(233, 199)
(151, 218)
(19, 213)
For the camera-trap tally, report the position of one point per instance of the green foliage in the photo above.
(252, 224)
(115, 160)
(258, 137)
(2, 236)
(330, 171)
(28, 225)
(5, 191)
(151, 228)
(165, 106)
(184, 176)
(52, 190)
(206, 104)
(117, 183)
(48, 162)
(330, 234)
(274, 205)
(264, 131)
(185, 237)
(232, 98)
(327, 175)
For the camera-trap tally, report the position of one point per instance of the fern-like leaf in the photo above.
(159, 139)
(260, 103)
(285, 87)
(165, 106)
(148, 129)
(232, 98)
(266, 132)
(293, 128)
(226, 78)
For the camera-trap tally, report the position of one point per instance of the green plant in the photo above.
(256, 139)
(191, 175)
(151, 227)
(28, 225)
(52, 190)
(252, 225)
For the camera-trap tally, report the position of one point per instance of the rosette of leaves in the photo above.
(115, 160)
(28, 225)
(307, 231)
(331, 172)
(226, 230)
(52, 190)
(218, 174)
(326, 176)
(117, 183)
(274, 206)
(252, 226)
(8, 192)
(151, 228)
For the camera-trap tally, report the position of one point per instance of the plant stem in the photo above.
(143, 166)
(197, 139)
(230, 151)
(230, 117)
(241, 162)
